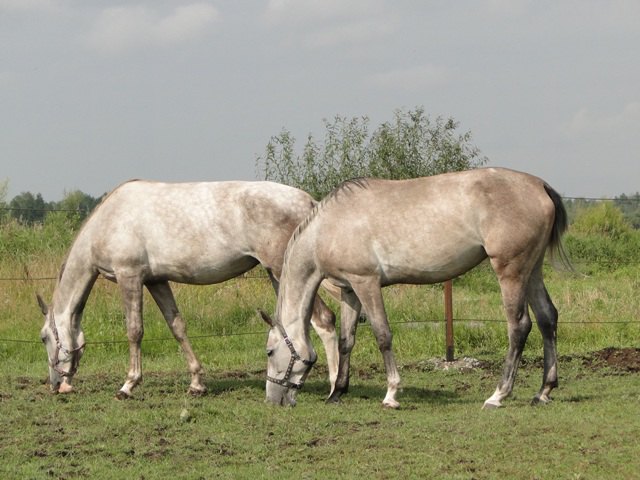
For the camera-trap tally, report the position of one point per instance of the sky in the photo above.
(93, 93)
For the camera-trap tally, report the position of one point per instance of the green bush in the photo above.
(604, 219)
(601, 237)
(21, 242)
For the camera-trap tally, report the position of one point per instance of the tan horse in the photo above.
(371, 233)
(148, 234)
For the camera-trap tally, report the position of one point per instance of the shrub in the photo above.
(601, 236)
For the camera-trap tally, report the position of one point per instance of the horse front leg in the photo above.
(131, 290)
(518, 326)
(350, 311)
(163, 296)
(323, 321)
(370, 295)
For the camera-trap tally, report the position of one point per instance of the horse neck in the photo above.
(299, 284)
(75, 281)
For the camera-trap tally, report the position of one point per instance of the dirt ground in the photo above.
(618, 359)
(622, 359)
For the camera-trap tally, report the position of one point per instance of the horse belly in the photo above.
(425, 267)
(406, 259)
(202, 271)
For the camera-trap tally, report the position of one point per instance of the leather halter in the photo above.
(75, 357)
(285, 382)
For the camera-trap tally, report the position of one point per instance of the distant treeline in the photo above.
(29, 209)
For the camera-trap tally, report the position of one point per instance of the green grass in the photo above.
(590, 431)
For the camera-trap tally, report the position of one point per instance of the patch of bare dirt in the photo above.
(622, 359)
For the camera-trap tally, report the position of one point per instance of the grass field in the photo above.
(590, 431)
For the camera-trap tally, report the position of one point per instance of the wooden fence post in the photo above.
(448, 313)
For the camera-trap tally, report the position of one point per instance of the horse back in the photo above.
(190, 231)
(428, 229)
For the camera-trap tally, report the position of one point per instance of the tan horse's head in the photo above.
(64, 349)
(287, 365)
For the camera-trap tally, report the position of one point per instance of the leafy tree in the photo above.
(412, 145)
(77, 203)
(28, 208)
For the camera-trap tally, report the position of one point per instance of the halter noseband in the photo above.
(285, 382)
(75, 358)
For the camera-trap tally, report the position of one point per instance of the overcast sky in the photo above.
(93, 93)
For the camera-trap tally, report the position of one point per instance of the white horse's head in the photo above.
(64, 352)
(287, 365)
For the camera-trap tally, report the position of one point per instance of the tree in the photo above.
(411, 146)
(77, 202)
(28, 208)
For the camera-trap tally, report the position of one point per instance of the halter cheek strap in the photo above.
(74, 352)
(285, 382)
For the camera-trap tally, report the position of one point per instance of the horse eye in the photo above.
(269, 353)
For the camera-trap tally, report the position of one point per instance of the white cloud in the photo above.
(122, 28)
(509, 7)
(27, 5)
(313, 11)
(414, 78)
(585, 122)
(323, 23)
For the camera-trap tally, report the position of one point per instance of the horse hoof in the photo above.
(65, 388)
(491, 406)
(541, 400)
(333, 400)
(391, 404)
(122, 395)
(197, 392)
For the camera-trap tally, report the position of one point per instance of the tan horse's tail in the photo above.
(560, 225)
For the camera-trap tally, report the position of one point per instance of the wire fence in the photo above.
(262, 333)
(634, 199)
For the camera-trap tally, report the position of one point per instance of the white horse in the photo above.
(148, 234)
(371, 233)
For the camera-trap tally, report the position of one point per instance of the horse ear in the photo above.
(43, 306)
(265, 316)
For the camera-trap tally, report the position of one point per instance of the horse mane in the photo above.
(345, 187)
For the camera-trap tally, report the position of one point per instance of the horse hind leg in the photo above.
(547, 319)
(323, 321)
(350, 311)
(163, 296)
(518, 326)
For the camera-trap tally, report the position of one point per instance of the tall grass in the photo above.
(598, 306)
(440, 431)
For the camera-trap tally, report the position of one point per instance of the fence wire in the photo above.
(624, 200)
(391, 324)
